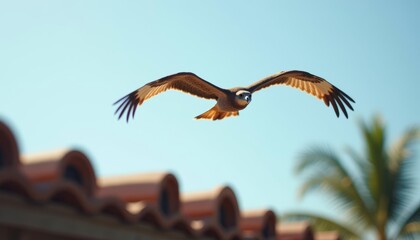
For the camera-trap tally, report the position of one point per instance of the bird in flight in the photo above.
(231, 101)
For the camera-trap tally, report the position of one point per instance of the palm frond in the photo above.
(410, 227)
(329, 184)
(374, 139)
(359, 160)
(400, 150)
(343, 195)
(362, 168)
(330, 175)
(377, 175)
(402, 177)
(321, 223)
(319, 159)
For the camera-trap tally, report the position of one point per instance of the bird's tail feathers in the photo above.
(215, 114)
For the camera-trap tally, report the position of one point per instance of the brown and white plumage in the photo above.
(231, 101)
(311, 84)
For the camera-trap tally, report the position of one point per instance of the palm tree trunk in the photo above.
(381, 234)
(382, 217)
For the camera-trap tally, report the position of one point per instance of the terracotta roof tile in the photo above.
(158, 189)
(216, 212)
(52, 168)
(9, 152)
(258, 224)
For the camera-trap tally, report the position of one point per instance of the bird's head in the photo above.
(243, 97)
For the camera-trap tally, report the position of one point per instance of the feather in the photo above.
(308, 83)
(184, 82)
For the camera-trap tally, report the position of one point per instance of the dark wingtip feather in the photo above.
(346, 96)
(129, 103)
(326, 101)
(121, 105)
(337, 98)
(334, 104)
(129, 111)
(330, 99)
(119, 100)
(343, 97)
(342, 107)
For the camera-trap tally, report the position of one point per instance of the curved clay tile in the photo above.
(144, 212)
(70, 195)
(209, 231)
(114, 207)
(13, 181)
(215, 212)
(9, 152)
(160, 190)
(184, 225)
(294, 231)
(258, 224)
(60, 166)
(150, 197)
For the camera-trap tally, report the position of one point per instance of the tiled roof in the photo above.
(49, 192)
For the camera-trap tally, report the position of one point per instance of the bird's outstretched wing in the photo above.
(311, 84)
(184, 81)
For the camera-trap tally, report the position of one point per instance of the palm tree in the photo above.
(378, 193)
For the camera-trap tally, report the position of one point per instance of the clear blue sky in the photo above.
(63, 64)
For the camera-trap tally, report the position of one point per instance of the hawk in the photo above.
(231, 101)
